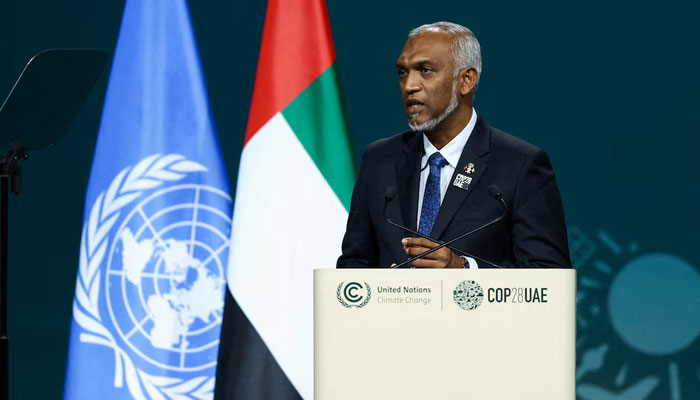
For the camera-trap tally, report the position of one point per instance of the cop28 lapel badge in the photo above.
(462, 181)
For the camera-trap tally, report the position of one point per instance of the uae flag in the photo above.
(293, 194)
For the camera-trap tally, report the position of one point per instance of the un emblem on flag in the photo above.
(165, 276)
(162, 246)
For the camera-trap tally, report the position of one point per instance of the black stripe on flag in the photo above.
(246, 368)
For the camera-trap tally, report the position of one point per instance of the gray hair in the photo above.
(465, 48)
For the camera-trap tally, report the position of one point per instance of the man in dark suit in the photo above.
(435, 178)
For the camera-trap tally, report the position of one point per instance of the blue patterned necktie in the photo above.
(431, 197)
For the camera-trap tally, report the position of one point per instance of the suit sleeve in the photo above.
(539, 229)
(359, 244)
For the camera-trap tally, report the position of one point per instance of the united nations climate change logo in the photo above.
(468, 295)
(164, 258)
(354, 294)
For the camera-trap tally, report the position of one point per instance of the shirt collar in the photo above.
(452, 150)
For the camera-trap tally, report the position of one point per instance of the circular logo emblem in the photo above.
(151, 276)
(468, 295)
(354, 294)
(165, 276)
(621, 298)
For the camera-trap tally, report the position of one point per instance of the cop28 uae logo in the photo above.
(468, 295)
(354, 294)
(158, 265)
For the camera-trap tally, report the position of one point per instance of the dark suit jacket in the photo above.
(532, 233)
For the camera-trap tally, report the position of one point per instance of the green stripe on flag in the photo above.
(317, 118)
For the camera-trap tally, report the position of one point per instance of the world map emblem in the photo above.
(161, 245)
(468, 295)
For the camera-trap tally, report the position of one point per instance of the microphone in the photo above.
(493, 191)
(389, 196)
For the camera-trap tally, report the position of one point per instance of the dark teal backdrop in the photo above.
(609, 89)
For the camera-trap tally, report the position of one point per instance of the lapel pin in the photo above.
(469, 168)
(462, 181)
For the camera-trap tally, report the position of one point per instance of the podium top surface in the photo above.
(450, 271)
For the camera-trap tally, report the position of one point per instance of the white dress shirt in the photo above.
(451, 152)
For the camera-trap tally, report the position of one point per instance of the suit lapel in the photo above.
(474, 151)
(408, 178)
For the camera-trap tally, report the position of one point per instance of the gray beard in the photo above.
(428, 126)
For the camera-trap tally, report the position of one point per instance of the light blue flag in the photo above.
(150, 287)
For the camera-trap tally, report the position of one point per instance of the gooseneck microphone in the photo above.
(389, 196)
(493, 191)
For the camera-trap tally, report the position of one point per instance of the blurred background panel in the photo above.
(609, 90)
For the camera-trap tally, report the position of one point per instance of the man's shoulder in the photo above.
(512, 146)
(500, 142)
(391, 146)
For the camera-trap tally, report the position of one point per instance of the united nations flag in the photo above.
(150, 286)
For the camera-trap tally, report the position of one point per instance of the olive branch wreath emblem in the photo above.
(346, 304)
(129, 184)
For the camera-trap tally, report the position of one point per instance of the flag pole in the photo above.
(4, 339)
(10, 174)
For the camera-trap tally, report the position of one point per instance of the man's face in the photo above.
(426, 78)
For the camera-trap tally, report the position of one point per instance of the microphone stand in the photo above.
(407, 229)
(493, 190)
(10, 176)
(36, 114)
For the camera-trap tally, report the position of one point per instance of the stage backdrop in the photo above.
(610, 90)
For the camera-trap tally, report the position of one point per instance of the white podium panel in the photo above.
(444, 334)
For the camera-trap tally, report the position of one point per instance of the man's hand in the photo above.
(443, 258)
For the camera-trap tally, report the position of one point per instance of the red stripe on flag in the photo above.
(297, 46)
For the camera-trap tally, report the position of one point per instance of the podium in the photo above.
(487, 334)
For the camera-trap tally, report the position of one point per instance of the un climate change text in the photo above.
(411, 295)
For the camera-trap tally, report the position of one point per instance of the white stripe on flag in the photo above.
(287, 221)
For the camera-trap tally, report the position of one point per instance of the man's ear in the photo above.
(467, 81)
